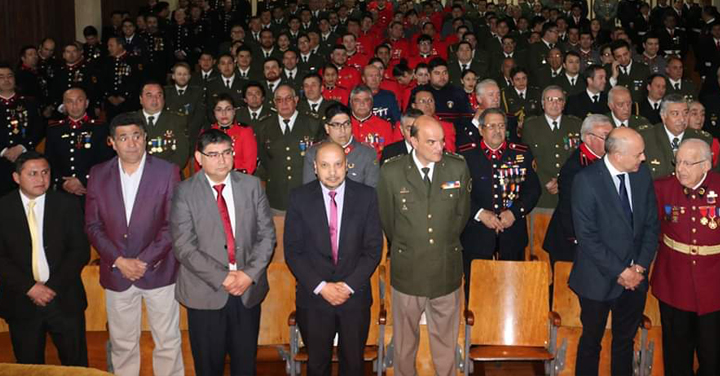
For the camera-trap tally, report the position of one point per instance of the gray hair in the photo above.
(292, 90)
(699, 145)
(480, 87)
(411, 113)
(671, 99)
(553, 87)
(615, 89)
(491, 111)
(590, 122)
(360, 89)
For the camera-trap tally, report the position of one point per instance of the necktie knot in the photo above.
(219, 188)
(151, 121)
(227, 83)
(572, 82)
(555, 125)
(426, 171)
(656, 106)
(314, 107)
(677, 86)
(31, 204)
(254, 115)
(181, 92)
(596, 98)
(332, 195)
(675, 143)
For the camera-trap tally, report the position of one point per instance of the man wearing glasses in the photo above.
(506, 189)
(283, 141)
(663, 140)
(687, 271)
(223, 236)
(362, 163)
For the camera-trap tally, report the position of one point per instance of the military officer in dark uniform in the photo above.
(228, 82)
(686, 277)
(560, 240)
(158, 52)
(283, 140)
(451, 101)
(626, 72)
(487, 94)
(621, 109)
(76, 72)
(676, 83)
(207, 71)
(21, 126)
(313, 104)
(119, 79)
(520, 99)
(663, 140)
(649, 107)
(255, 110)
(93, 50)
(187, 100)
(362, 163)
(75, 144)
(424, 201)
(592, 100)
(166, 130)
(506, 188)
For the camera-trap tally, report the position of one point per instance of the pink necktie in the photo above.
(225, 216)
(333, 226)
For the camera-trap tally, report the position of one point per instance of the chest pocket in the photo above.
(450, 194)
(405, 201)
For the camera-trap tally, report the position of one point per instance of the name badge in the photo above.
(451, 184)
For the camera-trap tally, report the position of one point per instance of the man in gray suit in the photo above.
(223, 236)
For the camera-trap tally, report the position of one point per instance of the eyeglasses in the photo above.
(555, 99)
(494, 126)
(216, 155)
(598, 136)
(686, 164)
(339, 126)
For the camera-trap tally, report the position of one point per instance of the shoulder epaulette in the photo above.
(53, 123)
(573, 117)
(532, 118)
(392, 159)
(466, 147)
(644, 127)
(454, 155)
(703, 133)
(518, 147)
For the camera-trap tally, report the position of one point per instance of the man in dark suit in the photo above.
(43, 249)
(403, 146)
(650, 106)
(255, 110)
(592, 100)
(333, 291)
(223, 236)
(626, 72)
(229, 81)
(616, 224)
(126, 218)
(560, 241)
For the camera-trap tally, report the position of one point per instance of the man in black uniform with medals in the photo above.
(506, 188)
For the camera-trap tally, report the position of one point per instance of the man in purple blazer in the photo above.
(126, 218)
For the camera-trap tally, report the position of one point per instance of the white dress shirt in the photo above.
(291, 124)
(130, 185)
(39, 211)
(155, 116)
(614, 173)
(419, 165)
(550, 121)
(671, 136)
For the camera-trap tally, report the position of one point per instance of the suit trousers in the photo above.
(686, 332)
(66, 330)
(627, 312)
(318, 328)
(124, 311)
(443, 323)
(231, 330)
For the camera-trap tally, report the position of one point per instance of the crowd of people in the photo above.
(168, 141)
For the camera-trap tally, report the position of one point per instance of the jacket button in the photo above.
(432, 241)
(125, 236)
(430, 230)
(429, 216)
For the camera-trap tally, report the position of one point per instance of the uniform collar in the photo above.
(76, 124)
(493, 154)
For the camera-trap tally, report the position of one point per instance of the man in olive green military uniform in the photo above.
(621, 107)
(424, 202)
(283, 140)
(625, 72)
(663, 140)
(166, 130)
(186, 99)
(551, 137)
(313, 104)
(362, 163)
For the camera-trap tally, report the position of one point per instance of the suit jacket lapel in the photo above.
(23, 227)
(348, 209)
(144, 186)
(239, 203)
(116, 186)
(318, 201)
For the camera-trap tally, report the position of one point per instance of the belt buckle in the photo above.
(693, 250)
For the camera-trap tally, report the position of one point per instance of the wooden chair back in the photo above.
(510, 303)
(279, 255)
(277, 306)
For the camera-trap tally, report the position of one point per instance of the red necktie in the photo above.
(333, 226)
(225, 216)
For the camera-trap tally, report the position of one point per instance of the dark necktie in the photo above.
(622, 70)
(305, 59)
(290, 76)
(624, 200)
(426, 179)
(181, 92)
(271, 86)
(555, 125)
(314, 107)
(572, 82)
(623, 124)
(227, 226)
(596, 98)
(227, 84)
(287, 127)
(465, 67)
(522, 96)
(675, 144)
(151, 121)
(254, 116)
(655, 106)
(333, 226)
(677, 86)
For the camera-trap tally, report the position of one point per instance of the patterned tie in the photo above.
(624, 200)
(426, 179)
(334, 226)
(35, 238)
(675, 144)
(227, 225)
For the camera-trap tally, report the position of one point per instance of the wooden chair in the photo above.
(375, 345)
(510, 300)
(274, 338)
(567, 305)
